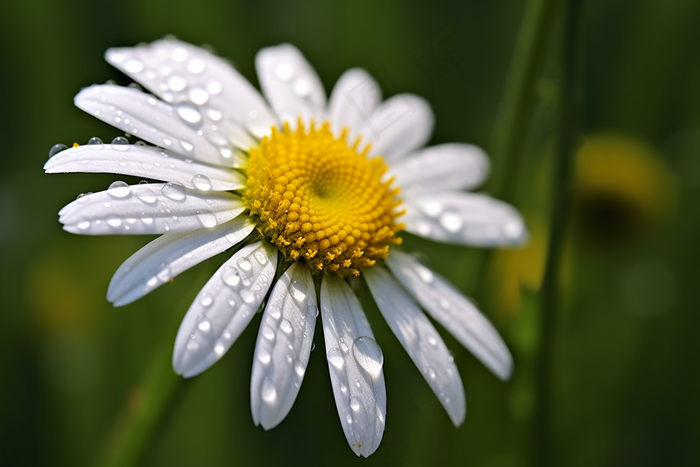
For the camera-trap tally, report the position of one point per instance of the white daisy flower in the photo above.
(306, 192)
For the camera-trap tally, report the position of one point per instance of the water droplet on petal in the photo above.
(114, 221)
(244, 264)
(230, 276)
(83, 224)
(177, 83)
(179, 54)
(207, 219)
(368, 355)
(95, 143)
(260, 256)
(120, 143)
(286, 326)
(174, 191)
(119, 189)
(452, 222)
(56, 148)
(188, 113)
(268, 391)
(201, 182)
(133, 66)
(335, 358)
(298, 290)
(196, 66)
(264, 356)
(284, 72)
(198, 96)
(206, 300)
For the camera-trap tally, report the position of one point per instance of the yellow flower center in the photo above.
(322, 201)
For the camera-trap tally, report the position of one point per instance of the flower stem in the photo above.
(562, 196)
(514, 112)
(143, 412)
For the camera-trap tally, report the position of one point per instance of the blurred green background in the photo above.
(624, 387)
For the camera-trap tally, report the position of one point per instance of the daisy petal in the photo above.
(146, 117)
(355, 361)
(290, 84)
(148, 209)
(399, 125)
(169, 255)
(451, 166)
(183, 74)
(144, 161)
(420, 339)
(283, 346)
(464, 218)
(224, 308)
(454, 311)
(352, 102)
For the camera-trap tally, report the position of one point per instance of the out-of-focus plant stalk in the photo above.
(515, 110)
(143, 412)
(562, 178)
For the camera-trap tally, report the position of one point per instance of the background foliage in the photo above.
(624, 387)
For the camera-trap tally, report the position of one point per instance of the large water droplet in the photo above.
(207, 219)
(260, 257)
(174, 191)
(204, 326)
(146, 194)
(83, 224)
(119, 189)
(56, 148)
(244, 264)
(196, 66)
(425, 274)
(206, 299)
(214, 88)
(120, 144)
(198, 96)
(368, 355)
(114, 221)
(230, 276)
(286, 326)
(201, 182)
(264, 355)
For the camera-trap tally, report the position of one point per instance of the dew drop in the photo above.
(204, 326)
(451, 221)
(83, 224)
(244, 264)
(95, 143)
(214, 88)
(207, 219)
(56, 148)
(114, 221)
(119, 189)
(198, 96)
(368, 355)
(120, 144)
(268, 391)
(179, 54)
(176, 83)
(298, 290)
(230, 276)
(302, 87)
(201, 182)
(215, 114)
(286, 326)
(174, 191)
(133, 66)
(195, 66)
(268, 333)
(335, 358)
(248, 295)
(219, 349)
(264, 356)
(260, 257)
(188, 113)
(284, 72)
(206, 300)
(146, 194)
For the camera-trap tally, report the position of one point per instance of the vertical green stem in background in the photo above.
(143, 412)
(515, 110)
(561, 192)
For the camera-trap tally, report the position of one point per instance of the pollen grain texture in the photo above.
(321, 200)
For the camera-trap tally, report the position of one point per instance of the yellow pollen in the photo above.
(322, 201)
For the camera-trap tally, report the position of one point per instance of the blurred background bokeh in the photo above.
(625, 378)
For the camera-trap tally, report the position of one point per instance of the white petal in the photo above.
(223, 309)
(162, 124)
(290, 84)
(464, 218)
(181, 73)
(400, 125)
(144, 161)
(283, 346)
(454, 311)
(352, 103)
(169, 255)
(420, 339)
(148, 209)
(355, 362)
(451, 166)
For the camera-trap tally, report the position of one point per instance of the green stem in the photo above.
(514, 112)
(143, 412)
(562, 194)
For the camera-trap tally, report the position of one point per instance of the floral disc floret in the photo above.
(321, 200)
